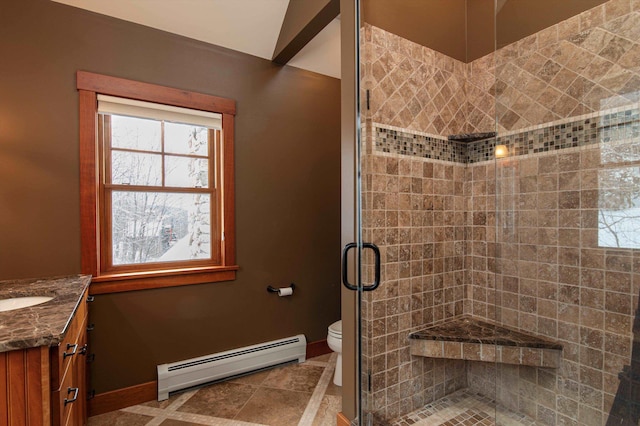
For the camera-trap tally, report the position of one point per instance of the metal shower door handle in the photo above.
(345, 275)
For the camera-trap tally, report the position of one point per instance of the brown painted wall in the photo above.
(464, 29)
(287, 186)
(520, 18)
(517, 19)
(480, 28)
(438, 24)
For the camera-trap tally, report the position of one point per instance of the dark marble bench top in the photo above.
(471, 330)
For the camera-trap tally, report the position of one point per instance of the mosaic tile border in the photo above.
(419, 145)
(602, 127)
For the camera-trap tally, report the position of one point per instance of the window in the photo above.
(619, 205)
(156, 185)
(618, 177)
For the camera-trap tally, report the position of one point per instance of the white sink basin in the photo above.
(21, 302)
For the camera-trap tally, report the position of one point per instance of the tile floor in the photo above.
(296, 394)
(463, 408)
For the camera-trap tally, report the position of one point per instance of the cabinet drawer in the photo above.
(70, 347)
(69, 400)
(66, 400)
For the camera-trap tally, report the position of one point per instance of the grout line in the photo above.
(158, 414)
(164, 412)
(161, 415)
(449, 413)
(256, 388)
(208, 420)
(156, 421)
(316, 399)
(179, 402)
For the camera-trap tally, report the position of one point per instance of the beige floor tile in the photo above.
(252, 379)
(333, 389)
(275, 407)
(220, 400)
(328, 411)
(161, 404)
(298, 377)
(172, 422)
(119, 418)
(321, 358)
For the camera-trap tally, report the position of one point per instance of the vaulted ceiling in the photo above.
(306, 33)
(248, 26)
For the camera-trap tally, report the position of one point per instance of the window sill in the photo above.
(132, 281)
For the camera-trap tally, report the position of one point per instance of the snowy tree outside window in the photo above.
(160, 202)
(619, 212)
(619, 186)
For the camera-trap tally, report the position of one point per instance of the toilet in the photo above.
(334, 340)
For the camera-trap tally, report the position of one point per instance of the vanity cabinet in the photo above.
(68, 372)
(25, 400)
(46, 385)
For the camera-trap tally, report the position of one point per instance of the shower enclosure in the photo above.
(501, 186)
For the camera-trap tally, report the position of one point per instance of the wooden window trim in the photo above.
(89, 85)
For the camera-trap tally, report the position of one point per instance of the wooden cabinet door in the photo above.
(24, 398)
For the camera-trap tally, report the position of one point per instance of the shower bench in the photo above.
(472, 339)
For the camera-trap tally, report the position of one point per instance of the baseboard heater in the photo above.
(197, 371)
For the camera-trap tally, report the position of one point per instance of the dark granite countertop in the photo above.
(40, 325)
(472, 330)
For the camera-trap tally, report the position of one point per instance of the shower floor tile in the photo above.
(297, 394)
(463, 408)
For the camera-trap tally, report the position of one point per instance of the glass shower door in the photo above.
(568, 192)
(412, 206)
(503, 192)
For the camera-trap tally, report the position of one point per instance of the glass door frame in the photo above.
(351, 218)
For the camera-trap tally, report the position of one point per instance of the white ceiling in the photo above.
(322, 54)
(248, 26)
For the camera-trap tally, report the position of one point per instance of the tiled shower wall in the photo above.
(416, 88)
(556, 276)
(415, 212)
(435, 216)
(556, 279)
(582, 65)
